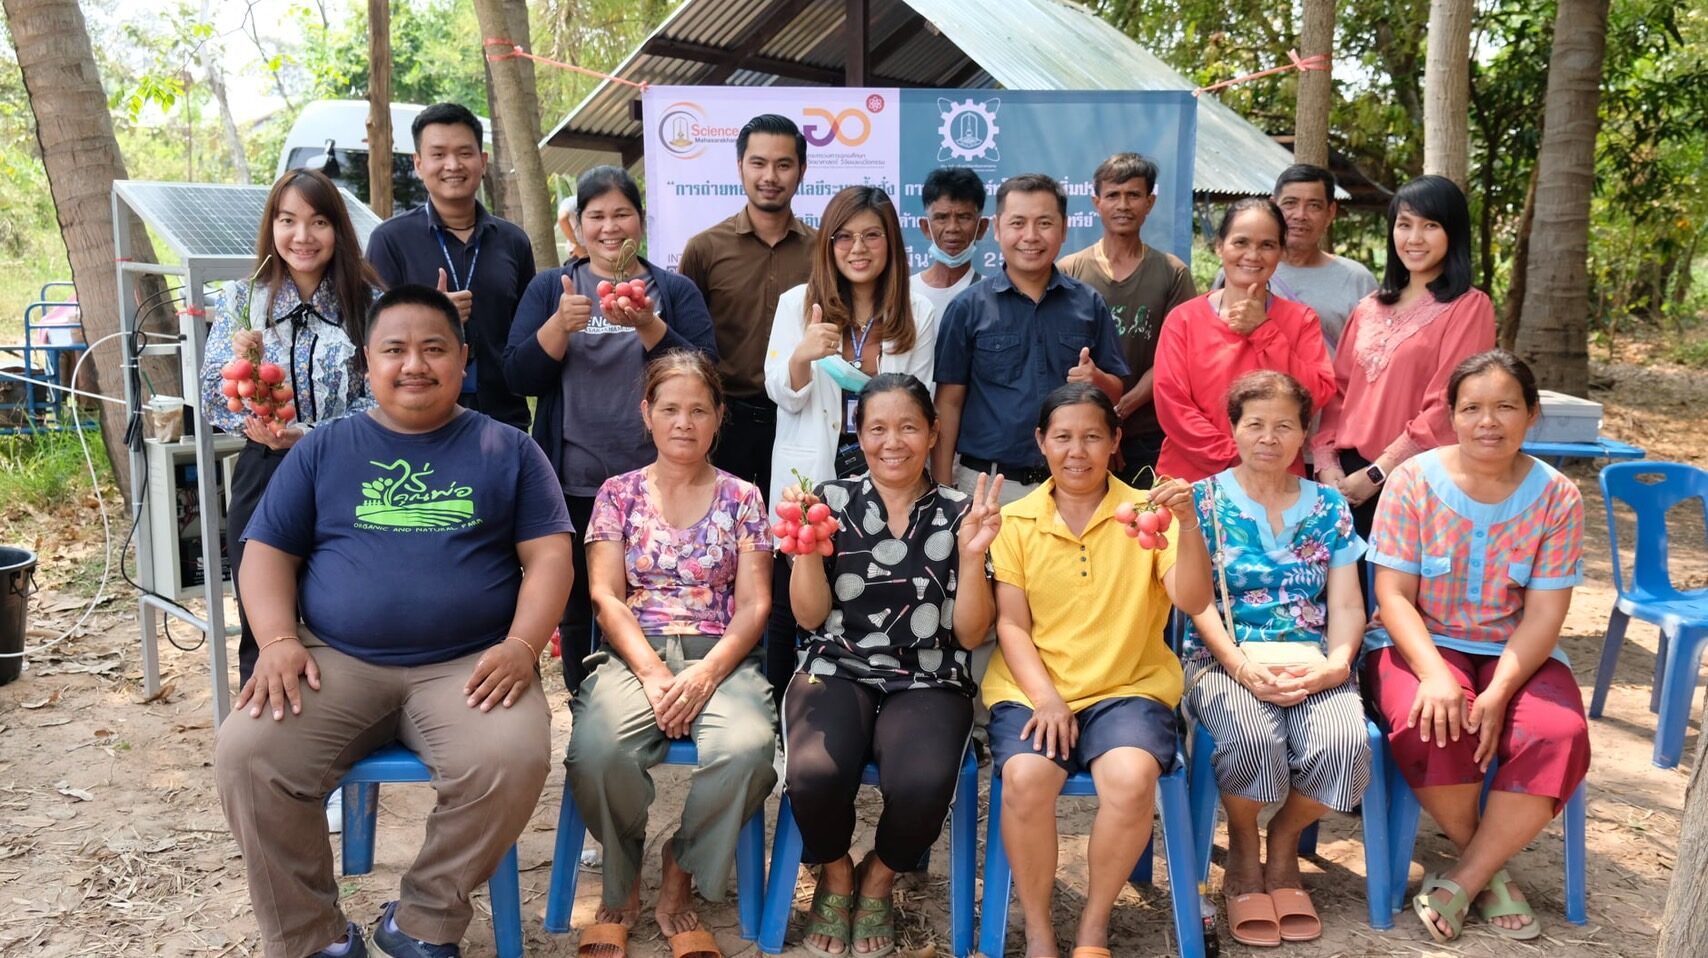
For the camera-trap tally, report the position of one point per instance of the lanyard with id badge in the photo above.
(850, 379)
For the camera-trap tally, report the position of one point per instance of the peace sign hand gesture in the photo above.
(983, 518)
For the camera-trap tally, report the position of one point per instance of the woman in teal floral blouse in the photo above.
(1270, 673)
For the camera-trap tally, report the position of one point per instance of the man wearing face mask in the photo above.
(1141, 284)
(954, 220)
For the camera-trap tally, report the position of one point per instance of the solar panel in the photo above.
(212, 219)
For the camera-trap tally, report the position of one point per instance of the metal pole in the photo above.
(193, 328)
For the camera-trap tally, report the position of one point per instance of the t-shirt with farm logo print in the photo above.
(408, 541)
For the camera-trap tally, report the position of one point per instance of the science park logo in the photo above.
(685, 134)
(969, 130)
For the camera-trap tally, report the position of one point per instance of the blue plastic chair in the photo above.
(786, 850)
(1176, 828)
(572, 834)
(1403, 813)
(1650, 489)
(395, 763)
(1201, 786)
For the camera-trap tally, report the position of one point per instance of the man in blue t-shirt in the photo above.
(404, 570)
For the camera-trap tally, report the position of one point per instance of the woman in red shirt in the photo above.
(1208, 342)
(1400, 346)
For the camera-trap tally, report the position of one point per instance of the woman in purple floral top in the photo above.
(305, 310)
(679, 563)
(1277, 696)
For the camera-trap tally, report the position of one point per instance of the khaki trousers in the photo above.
(488, 769)
(615, 741)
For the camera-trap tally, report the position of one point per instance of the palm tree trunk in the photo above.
(1553, 333)
(519, 115)
(82, 160)
(379, 108)
(1684, 924)
(1446, 91)
(1316, 87)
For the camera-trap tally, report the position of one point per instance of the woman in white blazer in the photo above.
(853, 319)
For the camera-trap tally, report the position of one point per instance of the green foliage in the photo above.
(435, 51)
(41, 470)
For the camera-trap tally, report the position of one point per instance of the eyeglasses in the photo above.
(842, 239)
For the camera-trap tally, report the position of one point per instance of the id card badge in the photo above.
(849, 403)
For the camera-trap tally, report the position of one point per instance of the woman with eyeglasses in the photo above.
(854, 318)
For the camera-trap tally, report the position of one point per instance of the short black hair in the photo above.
(1075, 394)
(906, 383)
(415, 294)
(1306, 173)
(955, 183)
(1494, 359)
(776, 124)
(1032, 183)
(1440, 199)
(605, 179)
(450, 113)
(1242, 204)
(1123, 167)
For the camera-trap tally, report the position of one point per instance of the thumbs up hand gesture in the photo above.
(462, 298)
(821, 339)
(1086, 370)
(1247, 313)
(573, 310)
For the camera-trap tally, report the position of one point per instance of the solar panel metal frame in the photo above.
(215, 223)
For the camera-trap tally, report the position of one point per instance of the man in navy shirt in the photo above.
(1010, 338)
(452, 243)
(425, 549)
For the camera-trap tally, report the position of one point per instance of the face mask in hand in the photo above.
(845, 374)
(953, 262)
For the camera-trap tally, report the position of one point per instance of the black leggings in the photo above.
(249, 478)
(831, 726)
(578, 630)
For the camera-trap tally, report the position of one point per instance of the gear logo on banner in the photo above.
(969, 130)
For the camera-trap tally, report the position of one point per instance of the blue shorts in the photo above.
(1135, 722)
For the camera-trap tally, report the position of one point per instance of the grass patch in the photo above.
(42, 469)
(1692, 353)
(20, 285)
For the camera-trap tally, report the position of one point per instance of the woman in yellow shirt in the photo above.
(1082, 678)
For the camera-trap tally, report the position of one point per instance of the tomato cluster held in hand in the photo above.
(802, 532)
(259, 387)
(630, 294)
(1145, 523)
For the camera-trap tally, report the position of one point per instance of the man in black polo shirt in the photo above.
(1010, 338)
(481, 262)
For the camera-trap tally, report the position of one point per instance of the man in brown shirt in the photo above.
(740, 266)
(1141, 284)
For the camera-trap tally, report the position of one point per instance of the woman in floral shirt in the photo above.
(679, 560)
(305, 310)
(1277, 694)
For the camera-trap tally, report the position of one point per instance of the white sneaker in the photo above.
(335, 811)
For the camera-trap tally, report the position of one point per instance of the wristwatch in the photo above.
(1375, 474)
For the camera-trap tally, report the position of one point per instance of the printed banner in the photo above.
(893, 138)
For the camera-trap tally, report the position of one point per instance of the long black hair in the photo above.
(1440, 199)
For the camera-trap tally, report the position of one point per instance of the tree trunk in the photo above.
(1553, 332)
(1520, 274)
(1446, 86)
(82, 159)
(1684, 925)
(1316, 87)
(216, 84)
(501, 172)
(519, 117)
(379, 107)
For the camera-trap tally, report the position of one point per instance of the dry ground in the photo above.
(112, 841)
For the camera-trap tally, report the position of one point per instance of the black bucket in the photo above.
(17, 581)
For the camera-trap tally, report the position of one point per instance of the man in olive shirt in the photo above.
(1141, 284)
(741, 265)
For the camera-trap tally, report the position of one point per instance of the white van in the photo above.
(341, 126)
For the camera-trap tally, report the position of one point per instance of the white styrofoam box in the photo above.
(1566, 419)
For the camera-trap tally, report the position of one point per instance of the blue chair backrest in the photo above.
(1650, 489)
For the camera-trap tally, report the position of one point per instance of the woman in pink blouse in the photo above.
(1208, 342)
(1400, 345)
(1477, 548)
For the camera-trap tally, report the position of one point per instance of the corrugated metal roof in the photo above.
(1015, 44)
